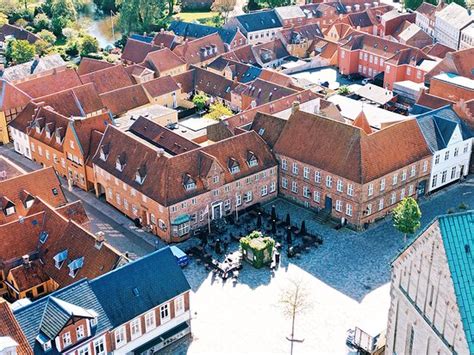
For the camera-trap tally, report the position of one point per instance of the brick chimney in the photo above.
(295, 106)
(99, 239)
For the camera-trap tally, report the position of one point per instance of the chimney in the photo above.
(162, 30)
(160, 152)
(295, 106)
(317, 106)
(99, 240)
(26, 260)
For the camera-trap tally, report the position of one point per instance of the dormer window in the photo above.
(103, 152)
(10, 210)
(58, 138)
(189, 183)
(140, 175)
(48, 134)
(29, 200)
(59, 258)
(120, 162)
(43, 237)
(38, 129)
(251, 159)
(75, 266)
(44, 342)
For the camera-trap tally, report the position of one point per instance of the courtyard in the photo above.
(347, 278)
(324, 74)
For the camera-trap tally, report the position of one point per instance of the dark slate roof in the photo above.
(196, 30)
(142, 38)
(457, 231)
(259, 20)
(251, 74)
(156, 278)
(438, 126)
(44, 315)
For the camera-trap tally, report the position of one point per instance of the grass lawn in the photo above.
(194, 16)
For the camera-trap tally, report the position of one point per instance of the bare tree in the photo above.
(294, 300)
(224, 7)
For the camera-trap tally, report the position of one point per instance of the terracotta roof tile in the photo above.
(29, 275)
(268, 127)
(122, 100)
(362, 122)
(8, 169)
(11, 97)
(108, 79)
(74, 211)
(49, 84)
(89, 65)
(9, 327)
(358, 156)
(79, 101)
(136, 51)
(163, 60)
(163, 39)
(201, 49)
(161, 86)
(42, 183)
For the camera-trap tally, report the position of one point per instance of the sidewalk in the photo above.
(88, 199)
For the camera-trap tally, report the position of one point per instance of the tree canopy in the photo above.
(200, 101)
(89, 45)
(20, 51)
(406, 216)
(140, 15)
(218, 111)
(62, 13)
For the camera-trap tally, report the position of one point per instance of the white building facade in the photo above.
(448, 24)
(425, 314)
(21, 142)
(467, 37)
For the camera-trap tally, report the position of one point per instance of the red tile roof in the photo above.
(165, 39)
(358, 156)
(262, 92)
(8, 169)
(163, 60)
(108, 79)
(201, 49)
(362, 122)
(29, 275)
(122, 100)
(42, 183)
(459, 63)
(161, 86)
(50, 84)
(135, 51)
(9, 327)
(79, 101)
(89, 65)
(12, 97)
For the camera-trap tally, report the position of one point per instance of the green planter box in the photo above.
(257, 249)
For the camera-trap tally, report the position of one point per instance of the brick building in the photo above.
(148, 312)
(431, 290)
(67, 144)
(370, 55)
(174, 192)
(348, 172)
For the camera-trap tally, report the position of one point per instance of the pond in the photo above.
(102, 29)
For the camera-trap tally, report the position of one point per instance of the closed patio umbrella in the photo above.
(288, 236)
(259, 220)
(303, 228)
(274, 227)
(288, 220)
(274, 215)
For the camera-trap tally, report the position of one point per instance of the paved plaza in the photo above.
(347, 278)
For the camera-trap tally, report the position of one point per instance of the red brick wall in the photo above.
(449, 91)
(72, 331)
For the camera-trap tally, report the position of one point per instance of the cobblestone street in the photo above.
(347, 278)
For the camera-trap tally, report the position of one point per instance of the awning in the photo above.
(161, 338)
(181, 219)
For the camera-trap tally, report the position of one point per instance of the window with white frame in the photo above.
(338, 205)
(238, 200)
(370, 190)
(66, 339)
(248, 196)
(350, 189)
(369, 209)
(80, 332)
(395, 179)
(339, 185)
(446, 155)
(402, 194)
(294, 187)
(453, 172)
(465, 149)
(295, 168)
(99, 346)
(306, 192)
(120, 338)
(329, 181)
(164, 313)
(179, 305)
(84, 350)
(381, 204)
(413, 171)
(316, 196)
(456, 151)
(393, 198)
(227, 205)
(436, 159)
(382, 184)
(404, 175)
(150, 321)
(348, 209)
(317, 177)
(215, 179)
(284, 183)
(410, 190)
(306, 172)
(135, 328)
(272, 186)
(284, 164)
(264, 190)
(443, 176)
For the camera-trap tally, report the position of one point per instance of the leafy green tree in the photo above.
(42, 22)
(200, 101)
(277, 3)
(412, 4)
(47, 36)
(42, 47)
(72, 47)
(3, 19)
(223, 7)
(459, 2)
(89, 45)
(62, 13)
(218, 111)
(21, 22)
(140, 15)
(106, 6)
(20, 51)
(343, 90)
(406, 217)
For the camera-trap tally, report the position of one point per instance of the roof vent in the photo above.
(467, 248)
(136, 292)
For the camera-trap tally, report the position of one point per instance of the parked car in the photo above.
(367, 81)
(181, 257)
